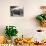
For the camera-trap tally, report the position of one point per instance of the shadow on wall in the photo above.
(34, 21)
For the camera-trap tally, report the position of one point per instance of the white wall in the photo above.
(25, 25)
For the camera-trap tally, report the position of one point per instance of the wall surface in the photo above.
(26, 25)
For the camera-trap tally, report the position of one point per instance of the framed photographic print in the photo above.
(16, 11)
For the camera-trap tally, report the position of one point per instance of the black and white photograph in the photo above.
(16, 11)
